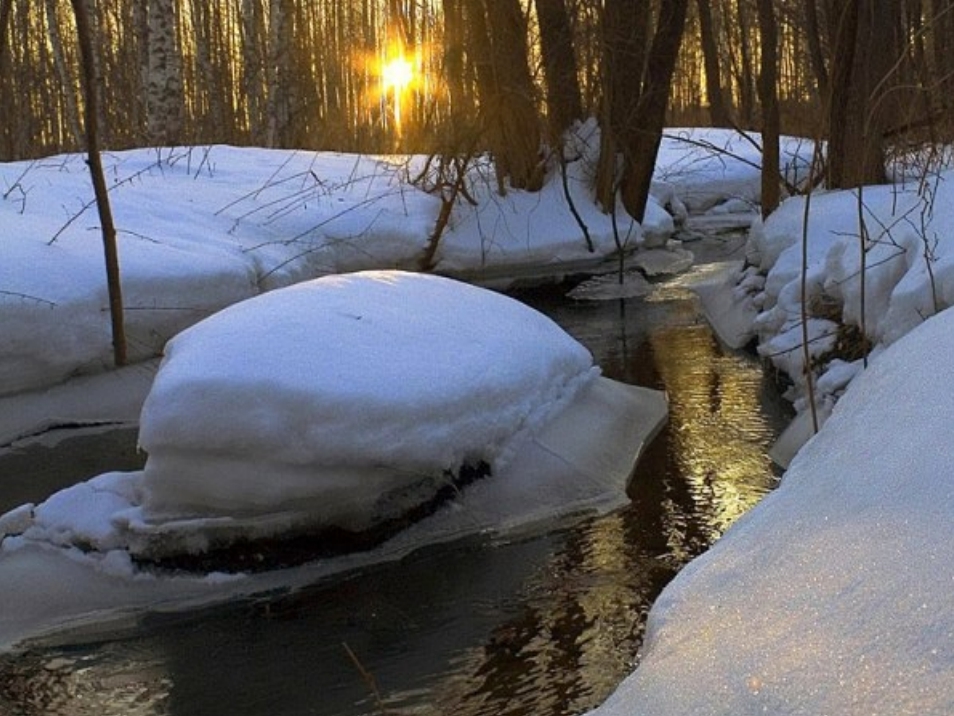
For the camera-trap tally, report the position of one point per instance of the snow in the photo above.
(833, 595)
(298, 370)
(343, 401)
(354, 377)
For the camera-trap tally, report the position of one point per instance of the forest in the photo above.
(456, 77)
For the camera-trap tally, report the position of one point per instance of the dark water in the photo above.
(543, 626)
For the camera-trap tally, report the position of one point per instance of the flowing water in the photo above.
(542, 626)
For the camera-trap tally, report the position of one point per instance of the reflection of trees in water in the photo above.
(575, 636)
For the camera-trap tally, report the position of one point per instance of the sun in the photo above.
(397, 74)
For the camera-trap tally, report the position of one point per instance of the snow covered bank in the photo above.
(203, 227)
(908, 276)
(345, 403)
(834, 595)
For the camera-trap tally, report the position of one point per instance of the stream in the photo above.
(546, 625)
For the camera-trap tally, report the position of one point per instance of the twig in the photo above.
(368, 679)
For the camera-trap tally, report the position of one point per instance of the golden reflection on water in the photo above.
(719, 444)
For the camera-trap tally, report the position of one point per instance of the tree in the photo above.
(860, 104)
(768, 99)
(625, 35)
(718, 113)
(816, 53)
(81, 13)
(497, 44)
(164, 109)
(641, 145)
(564, 104)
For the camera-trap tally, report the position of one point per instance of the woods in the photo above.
(507, 76)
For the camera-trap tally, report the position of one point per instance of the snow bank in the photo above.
(909, 275)
(319, 396)
(833, 596)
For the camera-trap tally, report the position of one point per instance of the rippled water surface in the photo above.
(543, 626)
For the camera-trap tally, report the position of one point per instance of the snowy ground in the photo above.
(339, 403)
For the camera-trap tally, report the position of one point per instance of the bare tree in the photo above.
(768, 99)
(497, 42)
(625, 35)
(81, 14)
(861, 105)
(718, 113)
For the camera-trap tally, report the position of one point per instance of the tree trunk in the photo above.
(498, 45)
(642, 145)
(746, 83)
(253, 82)
(564, 105)
(816, 54)
(625, 30)
(99, 181)
(718, 114)
(279, 59)
(164, 109)
(861, 105)
(768, 98)
(460, 105)
(6, 6)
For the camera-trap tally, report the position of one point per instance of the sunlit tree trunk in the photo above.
(253, 82)
(718, 113)
(768, 99)
(564, 105)
(279, 60)
(746, 81)
(62, 72)
(642, 145)
(460, 105)
(164, 110)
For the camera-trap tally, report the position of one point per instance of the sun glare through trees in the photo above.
(397, 74)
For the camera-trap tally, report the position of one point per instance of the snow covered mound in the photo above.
(348, 398)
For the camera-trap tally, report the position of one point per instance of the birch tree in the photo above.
(164, 109)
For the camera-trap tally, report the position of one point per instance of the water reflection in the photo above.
(544, 626)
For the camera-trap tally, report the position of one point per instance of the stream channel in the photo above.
(545, 625)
